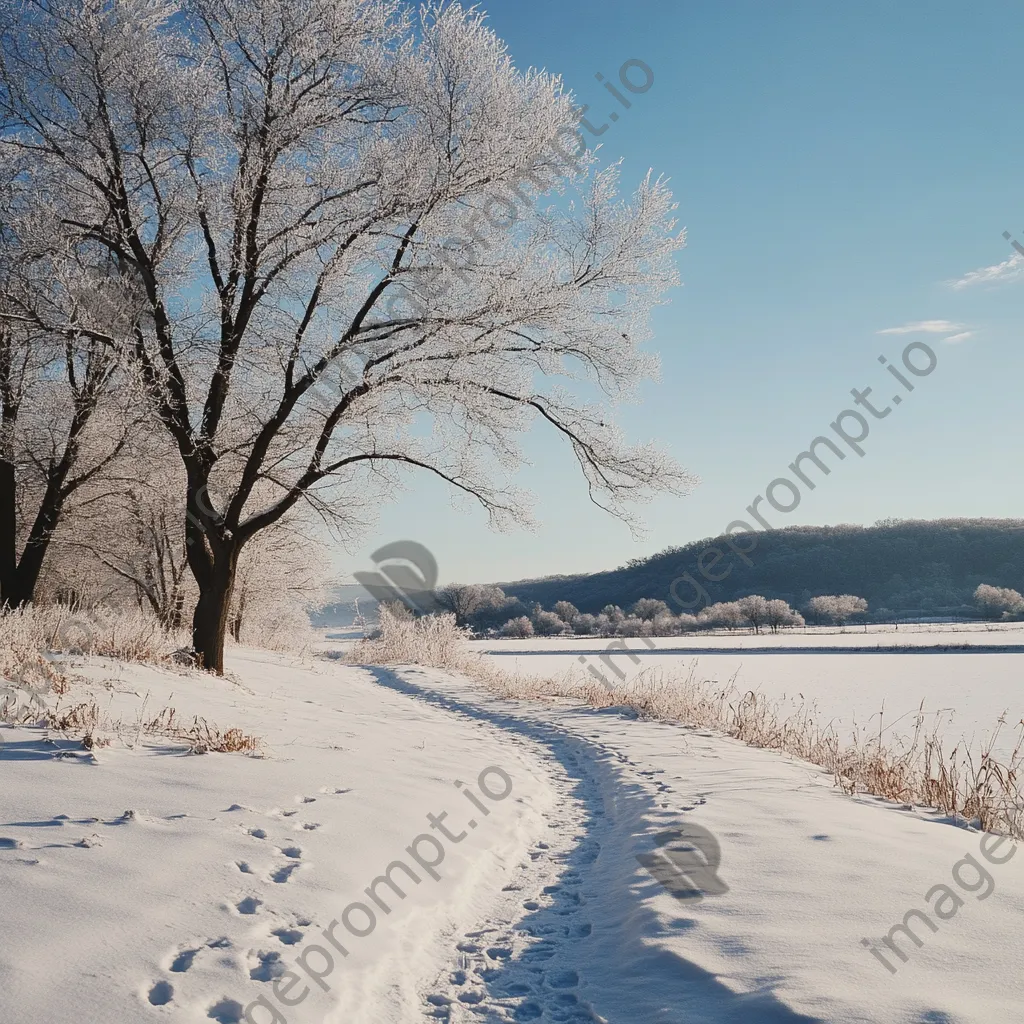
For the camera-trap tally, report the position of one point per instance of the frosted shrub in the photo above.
(649, 608)
(520, 627)
(548, 624)
(724, 615)
(434, 640)
(566, 611)
(838, 608)
(998, 602)
(633, 626)
(585, 625)
(672, 625)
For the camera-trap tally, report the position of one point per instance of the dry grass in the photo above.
(86, 722)
(29, 638)
(127, 635)
(967, 784)
(201, 736)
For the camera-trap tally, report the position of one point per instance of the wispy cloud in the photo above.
(1008, 270)
(925, 327)
(957, 338)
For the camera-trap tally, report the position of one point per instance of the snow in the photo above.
(230, 868)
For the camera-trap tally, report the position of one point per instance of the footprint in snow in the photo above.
(294, 852)
(183, 961)
(563, 979)
(161, 993)
(283, 874)
(288, 936)
(258, 833)
(227, 1011)
(269, 966)
(250, 905)
(527, 1011)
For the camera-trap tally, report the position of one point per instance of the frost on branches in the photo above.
(306, 208)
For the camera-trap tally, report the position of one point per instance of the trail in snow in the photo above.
(571, 923)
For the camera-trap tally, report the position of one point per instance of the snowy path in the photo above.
(581, 926)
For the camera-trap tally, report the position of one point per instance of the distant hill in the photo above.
(903, 567)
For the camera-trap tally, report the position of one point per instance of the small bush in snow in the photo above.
(547, 624)
(998, 602)
(779, 614)
(723, 615)
(566, 611)
(431, 640)
(649, 608)
(520, 627)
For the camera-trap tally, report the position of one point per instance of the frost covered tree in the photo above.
(585, 625)
(61, 423)
(726, 614)
(754, 610)
(547, 623)
(336, 220)
(566, 610)
(520, 627)
(613, 613)
(474, 603)
(125, 540)
(836, 608)
(778, 614)
(649, 608)
(998, 602)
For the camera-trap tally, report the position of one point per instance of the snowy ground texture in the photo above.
(151, 885)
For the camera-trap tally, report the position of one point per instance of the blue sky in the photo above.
(839, 168)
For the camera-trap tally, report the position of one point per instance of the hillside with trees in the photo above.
(902, 568)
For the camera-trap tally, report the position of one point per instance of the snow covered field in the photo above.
(150, 884)
(967, 678)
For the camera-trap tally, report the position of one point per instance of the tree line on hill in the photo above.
(489, 610)
(902, 568)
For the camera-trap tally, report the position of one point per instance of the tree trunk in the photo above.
(210, 620)
(8, 533)
(236, 621)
